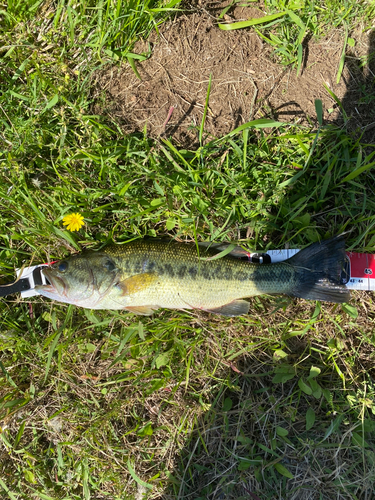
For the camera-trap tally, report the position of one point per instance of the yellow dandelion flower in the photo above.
(74, 222)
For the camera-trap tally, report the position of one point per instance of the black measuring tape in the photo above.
(27, 282)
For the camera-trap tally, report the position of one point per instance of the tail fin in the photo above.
(318, 269)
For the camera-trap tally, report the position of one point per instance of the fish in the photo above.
(145, 275)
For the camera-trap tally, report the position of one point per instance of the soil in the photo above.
(248, 82)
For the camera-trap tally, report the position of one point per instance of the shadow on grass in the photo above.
(275, 430)
(359, 101)
(284, 424)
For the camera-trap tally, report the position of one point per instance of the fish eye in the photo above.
(63, 266)
(109, 265)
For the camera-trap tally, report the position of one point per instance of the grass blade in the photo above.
(50, 354)
(7, 376)
(136, 478)
(251, 22)
(319, 111)
(296, 19)
(51, 103)
(221, 254)
(133, 66)
(358, 171)
(342, 58)
(299, 58)
(7, 490)
(201, 128)
(259, 123)
(334, 96)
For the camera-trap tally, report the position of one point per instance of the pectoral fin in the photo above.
(136, 283)
(235, 308)
(142, 310)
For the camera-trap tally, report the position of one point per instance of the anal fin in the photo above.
(235, 308)
(142, 310)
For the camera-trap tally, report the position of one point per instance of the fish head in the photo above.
(83, 279)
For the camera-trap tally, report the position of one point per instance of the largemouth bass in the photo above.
(146, 275)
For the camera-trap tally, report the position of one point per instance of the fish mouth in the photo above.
(55, 285)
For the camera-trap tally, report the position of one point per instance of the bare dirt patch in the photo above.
(247, 81)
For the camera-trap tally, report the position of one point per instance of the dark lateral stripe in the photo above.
(193, 272)
(181, 272)
(169, 270)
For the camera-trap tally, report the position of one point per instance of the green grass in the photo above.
(107, 405)
(288, 420)
(287, 26)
